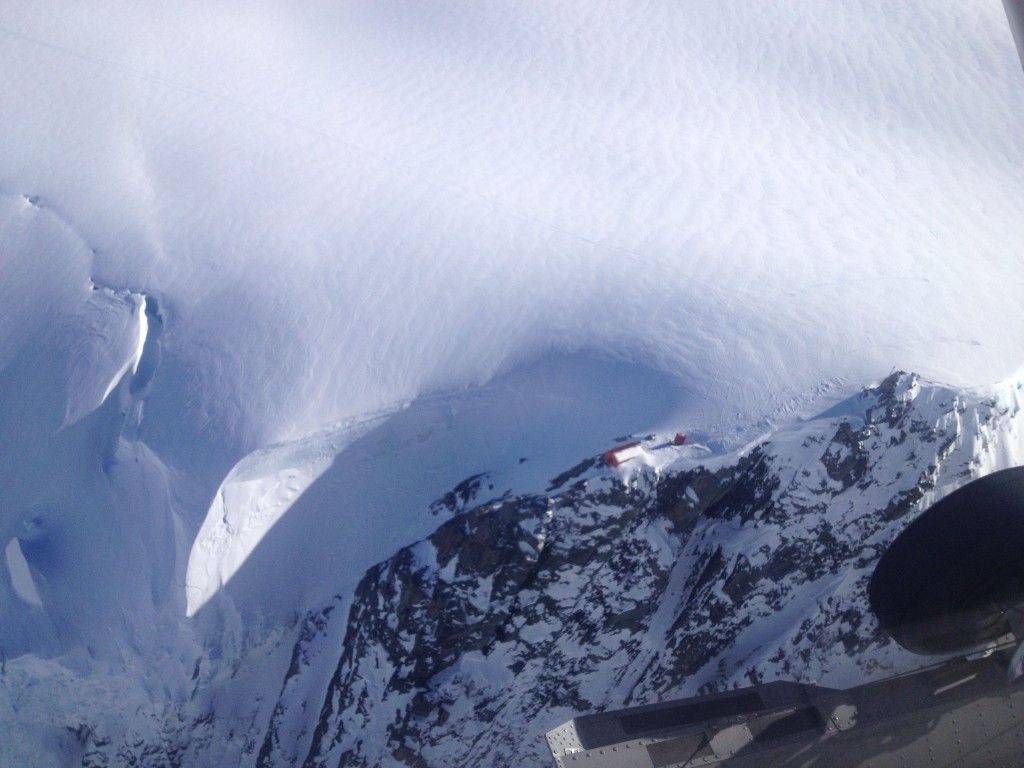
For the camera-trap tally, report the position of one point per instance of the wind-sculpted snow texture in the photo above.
(305, 303)
(618, 588)
(346, 205)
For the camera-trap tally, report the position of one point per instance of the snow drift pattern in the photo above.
(231, 234)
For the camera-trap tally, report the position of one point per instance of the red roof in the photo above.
(621, 453)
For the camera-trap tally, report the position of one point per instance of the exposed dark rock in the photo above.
(514, 614)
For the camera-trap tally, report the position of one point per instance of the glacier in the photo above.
(287, 288)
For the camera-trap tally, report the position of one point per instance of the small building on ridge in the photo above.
(622, 453)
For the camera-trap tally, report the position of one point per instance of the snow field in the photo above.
(504, 230)
(348, 206)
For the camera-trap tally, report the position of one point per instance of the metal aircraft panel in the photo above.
(960, 713)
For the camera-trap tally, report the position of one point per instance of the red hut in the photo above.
(622, 453)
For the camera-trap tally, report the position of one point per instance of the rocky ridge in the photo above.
(625, 586)
(677, 573)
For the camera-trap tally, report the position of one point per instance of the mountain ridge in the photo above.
(658, 563)
(680, 572)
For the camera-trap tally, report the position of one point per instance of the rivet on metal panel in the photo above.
(844, 717)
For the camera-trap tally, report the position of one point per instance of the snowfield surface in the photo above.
(275, 276)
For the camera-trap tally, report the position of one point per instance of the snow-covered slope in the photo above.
(678, 572)
(681, 573)
(348, 204)
(275, 278)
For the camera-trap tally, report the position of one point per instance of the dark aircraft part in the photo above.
(946, 583)
(1015, 15)
(958, 714)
